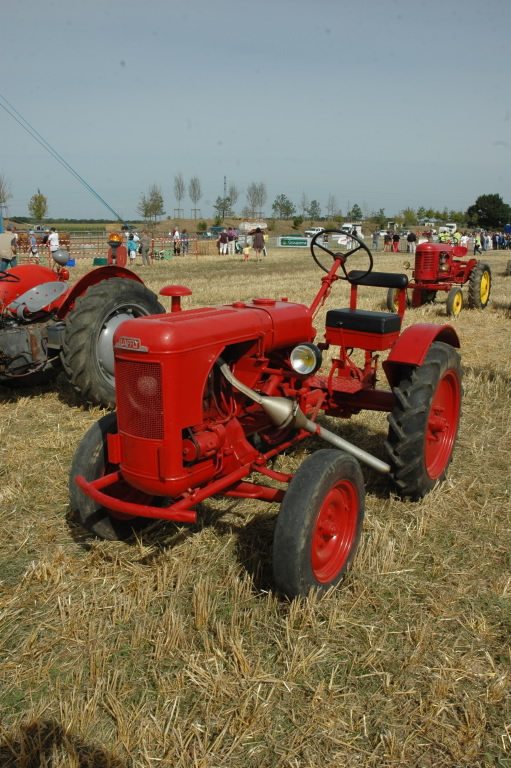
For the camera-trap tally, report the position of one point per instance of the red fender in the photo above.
(413, 345)
(92, 278)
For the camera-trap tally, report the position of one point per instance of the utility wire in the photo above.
(13, 112)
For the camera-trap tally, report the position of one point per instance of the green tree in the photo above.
(409, 217)
(421, 212)
(297, 222)
(314, 210)
(283, 208)
(151, 207)
(489, 211)
(38, 206)
(355, 214)
(222, 207)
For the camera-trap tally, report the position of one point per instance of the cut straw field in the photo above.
(173, 650)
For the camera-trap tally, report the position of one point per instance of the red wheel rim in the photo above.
(334, 531)
(442, 425)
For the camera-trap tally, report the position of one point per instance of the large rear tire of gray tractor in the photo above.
(479, 286)
(319, 524)
(90, 460)
(87, 348)
(424, 422)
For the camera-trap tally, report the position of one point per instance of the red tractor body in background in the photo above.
(207, 397)
(45, 322)
(441, 267)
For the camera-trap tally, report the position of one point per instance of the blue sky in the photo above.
(387, 104)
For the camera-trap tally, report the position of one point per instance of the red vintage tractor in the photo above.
(206, 397)
(441, 267)
(45, 322)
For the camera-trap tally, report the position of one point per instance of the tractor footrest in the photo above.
(362, 328)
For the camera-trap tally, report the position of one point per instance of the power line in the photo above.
(13, 112)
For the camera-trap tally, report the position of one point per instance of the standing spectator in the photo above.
(376, 240)
(132, 249)
(258, 242)
(223, 241)
(53, 240)
(395, 242)
(145, 247)
(477, 243)
(387, 242)
(33, 247)
(231, 241)
(176, 237)
(411, 242)
(184, 241)
(8, 249)
(464, 240)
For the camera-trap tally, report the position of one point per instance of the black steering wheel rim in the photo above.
(315, 244)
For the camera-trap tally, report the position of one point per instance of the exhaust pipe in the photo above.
(286, 413)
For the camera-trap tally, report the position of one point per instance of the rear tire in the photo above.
(90, 460)
(87, 351)
(479, 286)
(424, 422)
(319, 524)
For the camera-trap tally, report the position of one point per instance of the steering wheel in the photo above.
(359, 246)
(8, 277)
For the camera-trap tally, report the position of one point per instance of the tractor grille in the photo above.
(425, 265)
(139, 399)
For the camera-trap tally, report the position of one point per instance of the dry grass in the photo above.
(172, 650)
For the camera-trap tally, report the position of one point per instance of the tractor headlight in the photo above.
(306, 358)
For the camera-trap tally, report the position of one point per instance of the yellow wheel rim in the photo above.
(485, 287)
(457, 304)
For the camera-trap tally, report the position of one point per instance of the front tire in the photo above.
(454, 302)
(424, 422)
(479, 286)
(90, 460)
(319, 524)
(87, 348)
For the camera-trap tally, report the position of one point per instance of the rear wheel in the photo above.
(428, 297)
(319, 524)
(90, 460)
(479, 286)
(424, 422)
(454, 302)
(393, 299)
(87, 348)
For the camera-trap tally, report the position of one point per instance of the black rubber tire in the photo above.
(312, 549)
(454, 301)
(89, 329)
(428, 297)
(424, 421)
(90, 461)
(479, 286)
(508, 268)
(393, 299)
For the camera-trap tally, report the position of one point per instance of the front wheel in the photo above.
(479, 286)
(424, 421)
(87, 348)
(319, 524)
(90, 460)
(454, 302)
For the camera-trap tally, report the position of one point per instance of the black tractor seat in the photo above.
(379, 279)
(363, 320)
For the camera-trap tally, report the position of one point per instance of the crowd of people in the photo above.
(480, 240)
